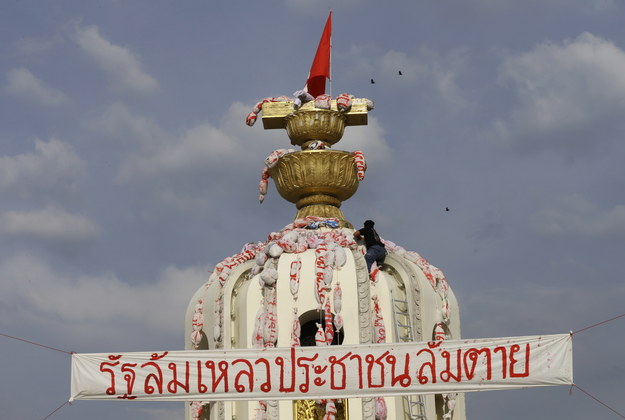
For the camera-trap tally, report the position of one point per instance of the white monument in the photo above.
(309, 284)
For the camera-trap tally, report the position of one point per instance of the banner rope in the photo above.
(36, 344)
(570, 391)
(57, 409)
(599, 401)
(598, 323)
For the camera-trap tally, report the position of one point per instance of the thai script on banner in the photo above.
(323, 372)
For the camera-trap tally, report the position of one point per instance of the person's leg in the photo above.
(380, 257)
(380, 253)
(370, 258)
(374, 253)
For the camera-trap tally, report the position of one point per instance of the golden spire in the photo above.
(317, 181)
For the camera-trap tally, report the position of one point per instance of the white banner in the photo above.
(326, 372)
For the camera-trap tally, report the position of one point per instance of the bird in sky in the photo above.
(446, 208)
(372, 82)
(400, 73)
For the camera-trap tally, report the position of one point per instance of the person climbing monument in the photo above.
(375, 248)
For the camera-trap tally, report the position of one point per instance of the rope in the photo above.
(321, 320)
(599, 401)
(36, 344)
(66, 402)
(599, 323)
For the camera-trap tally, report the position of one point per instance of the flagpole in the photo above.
(330, 61)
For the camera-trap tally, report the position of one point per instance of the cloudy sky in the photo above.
(126, 171)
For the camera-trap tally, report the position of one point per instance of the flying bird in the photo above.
(446, 208)
(372, 82)
(400, 73)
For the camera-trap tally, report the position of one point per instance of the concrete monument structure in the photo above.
(308, 284)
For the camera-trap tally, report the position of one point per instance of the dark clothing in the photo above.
(375, 253)
(371, 237)
(375, 248)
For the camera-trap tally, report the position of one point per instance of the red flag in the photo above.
(320, 69)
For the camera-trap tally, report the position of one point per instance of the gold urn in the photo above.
(317, 181)
(304, 127)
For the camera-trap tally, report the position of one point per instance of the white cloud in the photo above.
(591, 5)
(53, 168)
(199, 146)
(429, 72)
(49, 225)
(604, 5)
(119, 122)
(564, 89)
(394, 61)
(24, 84)
(579, 5)
(206, 160)
(36, 290)
(370, 139)
(185, 174)
(574, 215)
(308, 7)
(34, 45)
(119, 62)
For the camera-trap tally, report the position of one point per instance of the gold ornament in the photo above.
(317, 181)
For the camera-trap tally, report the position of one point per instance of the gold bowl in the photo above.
(304, 127)
(317, 181)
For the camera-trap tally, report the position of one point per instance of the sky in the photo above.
(127, 172)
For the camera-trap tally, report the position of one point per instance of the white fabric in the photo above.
(323, 101)
(322, 372)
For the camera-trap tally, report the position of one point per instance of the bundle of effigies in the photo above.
(270, 162)
(300, 97)
(198, 325)
(361, 164)
(296, 238)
